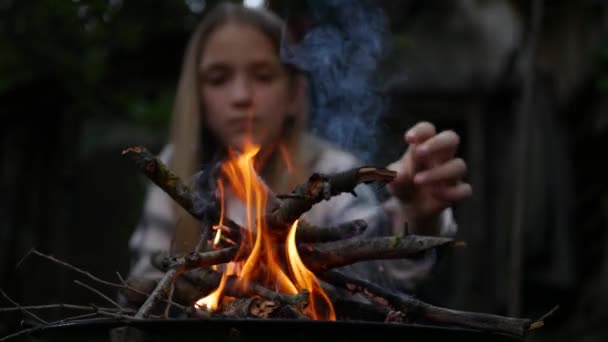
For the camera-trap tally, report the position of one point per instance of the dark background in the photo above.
(524, 83)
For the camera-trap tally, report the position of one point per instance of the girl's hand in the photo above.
(429, 176)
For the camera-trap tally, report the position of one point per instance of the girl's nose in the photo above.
(241, 92)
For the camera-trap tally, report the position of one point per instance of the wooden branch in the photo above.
(168, 307)
(160, 174)
(322, 256)
(288, 312)
(322, 187)
(194, 284)
(158, 292)
(309, 233)
(319, 257)
(300, 300)
(163, 261)
(415, 310)
(22, 309)
(59, 306)
(232, 234)
(88, 317)
(131, 290)
(250, 307)
(101, 294)
(122, 286)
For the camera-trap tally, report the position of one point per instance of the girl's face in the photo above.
(245, 88)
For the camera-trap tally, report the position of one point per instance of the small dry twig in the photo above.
(100, 294)
(171, 292)
(22, 309)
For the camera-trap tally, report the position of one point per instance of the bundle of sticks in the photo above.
(322, 249)
(187, 278)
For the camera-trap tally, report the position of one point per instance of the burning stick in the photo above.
(164, 262)
(415, 309)
(202, 281)
(322, 187)
(319, 257)
(324, 256)
(306, 233)
(250, 307)
(300, 300)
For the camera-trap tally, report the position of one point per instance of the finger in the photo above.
(420, 132)
(454, 193)
(441, 147)
(405, 174)
(453, 170)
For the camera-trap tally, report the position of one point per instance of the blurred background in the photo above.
(525, 84)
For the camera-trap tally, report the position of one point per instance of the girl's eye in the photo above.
(264, 77)
(216, 79)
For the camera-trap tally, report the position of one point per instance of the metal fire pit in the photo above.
(252, 330)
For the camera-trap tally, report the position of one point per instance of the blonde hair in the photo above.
(190, 141)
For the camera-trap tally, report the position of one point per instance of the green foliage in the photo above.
(111, 60)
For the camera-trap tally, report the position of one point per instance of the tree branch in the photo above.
(22, 309)
(319, 257)
(415, 309)
(322, 187)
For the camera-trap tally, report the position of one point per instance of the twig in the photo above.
(22, 309)
(196, 260)
(541, 321)
(74, 318)
(310, 233)
(415, 309)
(19, 333)
(232, 233)
(101, 294)
(322, 187)
(118, 315)
(160, 174)
(123, 284)
(158, 292)
(24, 257)
(171, 291)
(323, 256)
(73, 268)
(39, 327)
(57, 306)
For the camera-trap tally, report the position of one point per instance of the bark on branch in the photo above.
(416, 310)
(322, 187)
(160, 175)
(232, 234)
(319, 257)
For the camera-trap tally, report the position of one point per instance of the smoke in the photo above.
(340, 54)
(205, 198)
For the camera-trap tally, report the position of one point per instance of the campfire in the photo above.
(278, 265)
(275, 265)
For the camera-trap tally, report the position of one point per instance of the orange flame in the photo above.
(218, 230)
(263, 264)
(305, 279)
(211, 302)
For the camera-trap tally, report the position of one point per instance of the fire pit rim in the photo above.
(228, 324)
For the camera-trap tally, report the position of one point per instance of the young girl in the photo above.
(232, 73)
